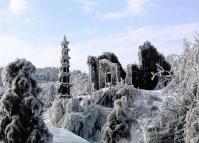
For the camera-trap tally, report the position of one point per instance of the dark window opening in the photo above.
(64, 69)
(64, 79)
(108, 77)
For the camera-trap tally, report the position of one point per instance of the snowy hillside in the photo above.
(167, 115)
(144, 106)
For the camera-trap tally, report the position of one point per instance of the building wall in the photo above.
(106, 67)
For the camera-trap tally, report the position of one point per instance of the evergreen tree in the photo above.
(20, 109)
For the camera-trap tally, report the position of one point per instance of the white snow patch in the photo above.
(61, 135)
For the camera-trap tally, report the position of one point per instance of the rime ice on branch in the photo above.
(64, 75)
(20, 109)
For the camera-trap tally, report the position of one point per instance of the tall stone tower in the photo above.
(64, 74)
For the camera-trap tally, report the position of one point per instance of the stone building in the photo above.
(64, 74)
(105, 70)
(108, 74)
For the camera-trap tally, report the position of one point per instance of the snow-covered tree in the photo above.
(118, 125)
(48, 74)
(20, 109)
(192, 125)
(179, 118)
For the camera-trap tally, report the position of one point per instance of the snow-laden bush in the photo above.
(48, 74)
(48, 93)
(118, 124)
(80, 83)
(192, 125)
(85, 121)
(179, 117)
(20, 109)
(108, 96)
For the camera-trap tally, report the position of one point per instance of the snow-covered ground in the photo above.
(147, 103)
(64, 136)
(61, 135)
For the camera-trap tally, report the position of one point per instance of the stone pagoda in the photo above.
(64, 74)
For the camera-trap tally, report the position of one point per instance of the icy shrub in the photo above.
(192, 126)
(20, 109)
(48, 74)
(48, 93)
(80, 83)
(118, 124)
(85, 121)
(108, 97)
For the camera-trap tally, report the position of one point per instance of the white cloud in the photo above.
(43, 55)
(133, 7)
(136, 6)
(167, 40)
(88, 5)
(19, 7)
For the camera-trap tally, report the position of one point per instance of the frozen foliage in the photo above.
(79, 80)
(164, 77)
(141, 76)
(20, 109)
(80, 83)
(48, 93)
(85, 118)
(49, 74)
(85, 121)
(179, 119)
(108, 97)
(118, 124)
(192, 125)
(80, 87)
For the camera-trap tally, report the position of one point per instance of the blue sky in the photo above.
(33, 29)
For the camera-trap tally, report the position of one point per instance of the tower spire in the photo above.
(65, 38)
(64, 73)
